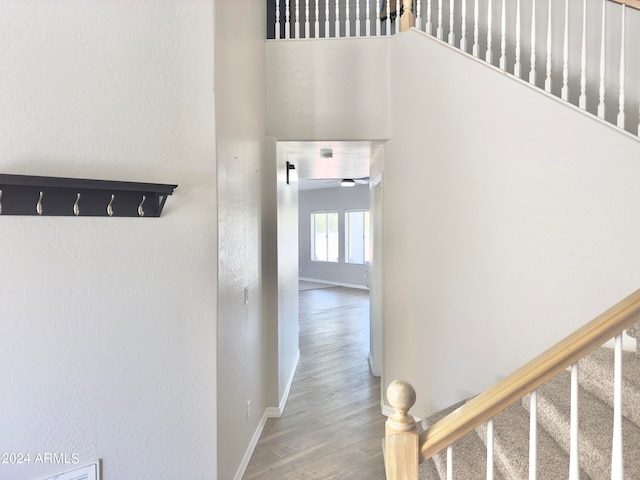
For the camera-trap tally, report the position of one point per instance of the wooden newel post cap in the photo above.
(401, 396)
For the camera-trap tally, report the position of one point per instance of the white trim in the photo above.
(387, 411)
(269, 412)
(252, 445)
(274, 412)
(337, 284)
(373, 370)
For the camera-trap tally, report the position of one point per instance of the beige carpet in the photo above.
(511, 429)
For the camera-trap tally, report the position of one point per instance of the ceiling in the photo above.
(348, 160)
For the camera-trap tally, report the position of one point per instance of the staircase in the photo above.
(511, 429)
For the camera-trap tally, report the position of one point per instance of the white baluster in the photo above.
(582, 102)
(533, 435)
(418, 11)
(516, 65)
(617, 458)
(452, 36)
(427, 26)
(532, 72)
(547, 81)
(449, 462)
(287, 18)
(490, 449)
(601, 88)
(503, 37)
(368, 19)
(397, 21)
(489, 55)
(277, 32)
(307, 29)
(358, 18)
(297, 19)
(336, 23)
(377, 18)
(347, 20)
(439, 29)
(316, 25)
(463, 32)
(564, 93)
(451, 39)
(476, 45)
(621, 100)
(327, 29)
(574, 452)
(388, 21)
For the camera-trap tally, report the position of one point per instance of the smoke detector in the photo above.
(326, 153)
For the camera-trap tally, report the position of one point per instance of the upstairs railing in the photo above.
(581, 51)
(405, 448)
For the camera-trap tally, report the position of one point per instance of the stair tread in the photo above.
(511, 447)
(469, 453)
(595, 427)
(427, 471)
(597, 377)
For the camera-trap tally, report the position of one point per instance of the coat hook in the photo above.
(109, 207)
(39, 209)
(140, 209)
(76, 207)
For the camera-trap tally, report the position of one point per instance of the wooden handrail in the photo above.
(530, 376)
(631, 3)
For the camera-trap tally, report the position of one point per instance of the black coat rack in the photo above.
(54, 196)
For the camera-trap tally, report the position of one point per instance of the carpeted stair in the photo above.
(511, 429)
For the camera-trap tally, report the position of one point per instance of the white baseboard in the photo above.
(337, 284)
(373, 370)
(269, 412)
(252, 446)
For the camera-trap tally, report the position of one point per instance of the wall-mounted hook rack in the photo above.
(54, 196)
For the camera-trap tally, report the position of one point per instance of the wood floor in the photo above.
(332, 427)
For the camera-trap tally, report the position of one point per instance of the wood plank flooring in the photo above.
(332, 427)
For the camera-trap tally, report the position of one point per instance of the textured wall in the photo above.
(336, 89)
(240, 136)
(526, 225)
(107, 343)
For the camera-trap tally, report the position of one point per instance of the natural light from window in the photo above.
(357, 237)
(324, 237)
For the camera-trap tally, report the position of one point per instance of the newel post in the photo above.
(408, 19)
(401, 435)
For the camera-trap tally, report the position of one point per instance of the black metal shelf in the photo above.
(55, 196)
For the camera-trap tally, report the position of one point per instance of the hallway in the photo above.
(332, 427)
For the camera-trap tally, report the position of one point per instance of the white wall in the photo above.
(335, 89)
(337, 200)
(108, 344)
(279, 276)
(593, 31)
(240, 131)
(526, 227)
(288, 325)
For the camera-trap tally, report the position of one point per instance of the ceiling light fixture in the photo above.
(348, 182)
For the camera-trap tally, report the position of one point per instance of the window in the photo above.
(357, 237)
(324, 237)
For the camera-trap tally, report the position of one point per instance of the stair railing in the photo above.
(405, 448)
(590, 64)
